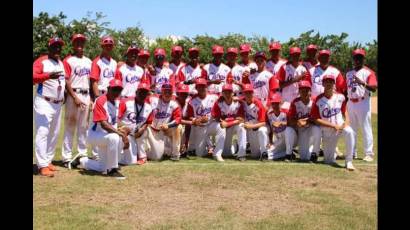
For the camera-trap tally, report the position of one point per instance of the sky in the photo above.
(280, 20)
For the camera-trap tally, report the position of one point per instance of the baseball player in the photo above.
(191, 71)
(277, 121)
(301, 129)
(216, 71)
(361, 81)
(231, 115)
(328, 111)
(161, 74)
(275, 61)
(78, 102)
(105, 135)
(310, 60)
(203, 126)
(103, 67)
(244, 51)
(49, 74)
(261, 79)
(255, 120)
(176, 55)
(183, 99)
(136, 115)
(130, 74)
(165, 124)
(316, 73)
(289, 75)
(234, 76)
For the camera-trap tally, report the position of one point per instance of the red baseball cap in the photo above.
(132, 49)
(324, 52)
(143, 53)
(275, 46)
(232, 50)
(244, 48)
(275, 98)
(55, 40)
(166, 86)
(107, 40)
(295, 50)
(115, 83)
(247, 88)
(159, 51)
(359, 52)
(329, 77)
(143, 86)
(176, 49)
(304, 84)
(260, 54)
(182, 88)
(193, 49)
(227, 87)
(78, 36)
(311, 47)
(200, 81)
(217, 49)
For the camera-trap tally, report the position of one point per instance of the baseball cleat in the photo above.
(142, 161)
(46, 172)
(313, 157)
(349, 166)
(290, 157)
(321, 154)
(114, 173)
(52, 167)
(264, 156)
(219, 158)
(368, 158)
(241, 158)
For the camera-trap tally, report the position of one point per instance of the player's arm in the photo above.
(94, 78)
(292, 121)
(39, 76)
(314, 113)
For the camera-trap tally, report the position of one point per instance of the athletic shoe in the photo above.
(349, 166)
(264, 156)
(241, 158)
(52, 167)
(313, 157)
(321, 154)
(219, 158)
(46, 172)
(290, 157)
(142, 161)
(368, 158)
(116, 174)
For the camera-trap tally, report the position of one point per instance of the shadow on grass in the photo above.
(90, 173)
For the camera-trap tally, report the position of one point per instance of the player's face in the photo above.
(176, 55)
(245, 56)
(78, 46)
(143, 59)
(227, 94)
(311, 53)
(260, 62)
(358, 60)
(108, 48)
(217, 57)
(295, 57)
(132, 56)
(275, 106)
(201, 90)
(248, 95)
(324, 59)
(115, 91)
(304, 92)
(182, 96)
(55, 50)
(274, 53)
(142, 94)
(328, 84)
(160, 59)
(231, 57)
(194, 57)
(167, 94)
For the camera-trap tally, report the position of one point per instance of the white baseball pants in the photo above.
(240, 132)
(360, 117)
(76, 119)
(47, 117)
(157, 139)
(200, 136)
(136, 150)
(258, 140)
(304, 138)
(278, 148)
(329, 140)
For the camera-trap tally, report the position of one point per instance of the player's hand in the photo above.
(204, 119)
(124, 130)
(201, 65)
(139, 133)
(299, 77)
(55, 74)
(126, 142)
(248, 125)
(358, 81)
(338, 128)
(224, 124)
(151, 69)
(196, 121)
(163, 127)
(276, 124)
(79, 103)
(302, 122)
(245, 74)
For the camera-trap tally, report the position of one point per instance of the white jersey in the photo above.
(317, 73)
(236, 73)
(299, 110)
(164, 113)
(175, 68)
(260, 82)
(133, 115)
(286, 73)
(221, 110)
(271, 116)
(187, 73)
(103, 71)
(329, 109)
(356, 91)
(162, 75)
(78, 71)
(52, 88)
(274, 67)
(216, 73)
(104, 110)
(255, 112)
(198, 107)
(130, 77)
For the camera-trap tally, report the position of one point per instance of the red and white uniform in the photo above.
(306, 136)
(76, 118)
(332, 110)
(163, 75)
(286, 73)
(222, 111)
(258, 139)
(109, 145)
(260, 83)
(359, 105)
(131, 76)
(315, 76)
(47, 111)
(278, 148)
(308, 64)
(216, 73)
(187, 72)
(103, 71)
(175, 69)
(134, 116)
(274, 67)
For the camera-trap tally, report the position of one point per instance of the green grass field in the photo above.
(203, 194)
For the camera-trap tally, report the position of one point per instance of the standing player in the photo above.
(328, 111)
(289, 75)
(48, 73)
(216, 71)
(165, 124)
(191, 71)
(316, 73)
(310, 60)
(275, 61)
(361, 81)
(231, 115)
(161, 74)
(176, 64)
(244, 51)
(130, 74)
(301, 129)
(142, 61)
(103, 67)
(136, 115)
(78, 102)
(255, 120)
(203, 126)
(234, 77)
(105, 135)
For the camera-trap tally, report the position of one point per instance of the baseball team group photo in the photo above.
(224, 131)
